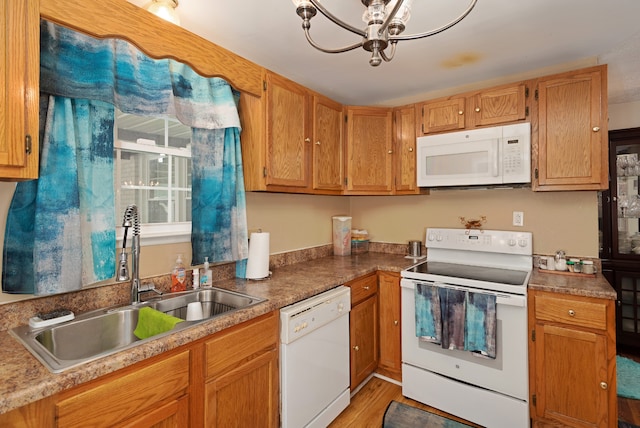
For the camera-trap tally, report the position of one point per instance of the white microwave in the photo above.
(486, 156)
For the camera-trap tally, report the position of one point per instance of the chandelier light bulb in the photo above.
(165, 9)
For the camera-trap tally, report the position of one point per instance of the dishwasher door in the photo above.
(314, 369)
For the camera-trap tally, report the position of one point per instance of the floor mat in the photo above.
(400, 415)
(628, 377)
(622, 424)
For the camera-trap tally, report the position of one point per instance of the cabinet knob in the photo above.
(477, 109)
(356, 348)
(307, 140)
(410, 149)
(366, 287)
(596, 128)
(604, 385)
(317, 143)
(395, 322)
(572, 313)
(390, 152)
(460, 112)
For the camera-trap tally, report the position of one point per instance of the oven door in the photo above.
(506, 374)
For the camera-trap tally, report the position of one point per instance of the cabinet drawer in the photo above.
(132, 394)
(362, 288)
(574, 311)
(242, 343)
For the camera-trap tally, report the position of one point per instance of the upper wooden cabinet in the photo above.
(443, 115)
(327, 153)
(404, 152)
(493, 106)
(569, 131)
(500, 105)
(288, 133)
(19, 90)
(369, 150)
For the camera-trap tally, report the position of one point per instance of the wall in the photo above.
(623, 116)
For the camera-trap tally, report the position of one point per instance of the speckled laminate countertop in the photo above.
(24, 379)
(596, 286)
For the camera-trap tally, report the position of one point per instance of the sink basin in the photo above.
(103, 332)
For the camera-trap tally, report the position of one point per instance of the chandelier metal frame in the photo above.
(379, 33)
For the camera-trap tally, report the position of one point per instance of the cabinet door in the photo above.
(19, 90)
(571, 141)
(328, 163)
(246, 396)
(405, 150)
(369, 150)
(500, 105)
(288, 138)
(446, 115)
(571, 376)
(364, 340)
(390, 363)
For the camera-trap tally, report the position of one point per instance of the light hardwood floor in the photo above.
(369, 404)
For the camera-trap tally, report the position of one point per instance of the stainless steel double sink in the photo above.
(102, 332)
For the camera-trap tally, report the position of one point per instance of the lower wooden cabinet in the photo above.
(363, 328)
(390, 363)
(227, 379)
(241, 376)
(572, 361)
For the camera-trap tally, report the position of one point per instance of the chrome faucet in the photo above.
(131, 220)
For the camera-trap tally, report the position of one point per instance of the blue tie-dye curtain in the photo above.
(74, 69)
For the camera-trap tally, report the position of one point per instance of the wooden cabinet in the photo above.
(572, 360)
(328, 162)
(148, 394)
(492, 106)
(19, 89)
(369, 150)
(288, 134)
(404, 152)
(363, 328)
(444, 115)
(390, 363)
(569, 131)
(499, 105)
(241, 375)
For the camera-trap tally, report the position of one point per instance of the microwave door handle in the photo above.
(495, 157)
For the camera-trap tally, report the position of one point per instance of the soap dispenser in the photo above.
(205, 279)
(178, 276)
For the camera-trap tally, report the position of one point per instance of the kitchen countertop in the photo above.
(596, 286)
(26, 380)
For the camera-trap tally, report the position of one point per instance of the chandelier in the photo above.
(385, 19)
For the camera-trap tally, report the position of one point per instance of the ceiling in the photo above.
(500, 40)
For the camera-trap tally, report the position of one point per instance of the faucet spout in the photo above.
(131, 220)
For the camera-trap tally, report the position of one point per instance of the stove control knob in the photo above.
(512, 242)
(431, 237)
(522, 242)
(439, 238)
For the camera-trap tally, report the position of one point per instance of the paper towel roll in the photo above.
(258, 262)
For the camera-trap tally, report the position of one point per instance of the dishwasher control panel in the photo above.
(308, 315)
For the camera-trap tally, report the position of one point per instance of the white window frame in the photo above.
(152, 233)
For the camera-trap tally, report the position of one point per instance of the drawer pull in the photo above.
(572, 313)
(604, 385)
(366, 287)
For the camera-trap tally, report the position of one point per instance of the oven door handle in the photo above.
(501, 298)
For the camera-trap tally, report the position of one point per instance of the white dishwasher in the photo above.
(314, 359)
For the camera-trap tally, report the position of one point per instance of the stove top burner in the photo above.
(474, 273)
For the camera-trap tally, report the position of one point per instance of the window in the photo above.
(153, 170)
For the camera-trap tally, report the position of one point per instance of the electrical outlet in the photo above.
(518, 218)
